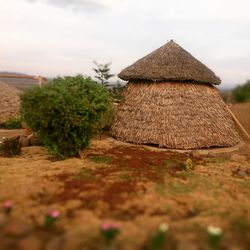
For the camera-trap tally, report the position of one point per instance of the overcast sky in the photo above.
(64, 37)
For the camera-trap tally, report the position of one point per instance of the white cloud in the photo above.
(78, 5)
(42, 38)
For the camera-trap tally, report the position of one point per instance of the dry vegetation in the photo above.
(9, 102)
(139, 187)
(242, 111)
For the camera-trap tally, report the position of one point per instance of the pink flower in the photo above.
(7, 205)
(105, 226)
(109, 231)
(108, 226)
(54, 214)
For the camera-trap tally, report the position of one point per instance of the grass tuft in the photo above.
(85, 174)
(101, 159)
(214, 160)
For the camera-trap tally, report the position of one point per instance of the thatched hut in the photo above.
(171, 101)
(9, 102)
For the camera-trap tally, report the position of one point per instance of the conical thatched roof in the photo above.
(9, 102)
(170, 63)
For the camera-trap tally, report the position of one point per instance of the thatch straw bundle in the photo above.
(9, 102)
(170, 63)
(174, 115)
(174, 104)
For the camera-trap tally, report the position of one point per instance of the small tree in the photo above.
(242, 92)
(65, 112)
(103, 73)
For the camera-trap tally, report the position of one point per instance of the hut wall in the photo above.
(174, 115)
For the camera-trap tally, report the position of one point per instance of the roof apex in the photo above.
(172, 63)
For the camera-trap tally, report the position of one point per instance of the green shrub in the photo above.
(65, 112)
(12, 123)
(242, 92)
(117, 91)
(107, 118)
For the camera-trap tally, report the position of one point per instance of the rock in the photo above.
(236, 157)
(24, 141)
(33, 140)
(30, 243)
(240, 173)
(17, 229)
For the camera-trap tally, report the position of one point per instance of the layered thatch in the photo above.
(174, 115)
(9, 102)
(170, 63)
(171, 102)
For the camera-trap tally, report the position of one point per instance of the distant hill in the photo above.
(18, 83)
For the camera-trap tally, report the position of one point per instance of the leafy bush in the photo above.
(65, 112)
(117, 91)
(12, 123)
(242, 93)
(107, 118)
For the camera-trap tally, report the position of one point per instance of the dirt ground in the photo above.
(137, 187)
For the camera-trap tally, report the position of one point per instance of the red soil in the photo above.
(107, 189)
